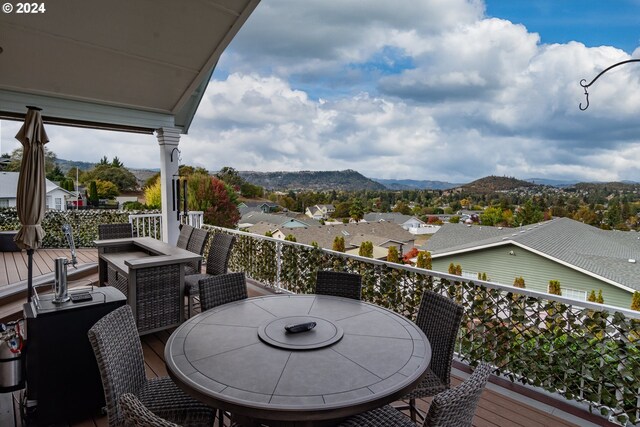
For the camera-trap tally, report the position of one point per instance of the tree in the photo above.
(56, 174)
(217, 200)
(230, 176)
(392, 255)
(116, 163)
(268, 233)
(338, 244)
(599, 298)
(106, 189)
(528, 213)
(121, 177)
(403, 208)
(290, 238)
(635, 301)
(554, 287)
(454, 219)
(104, 161)
(366, 249)
(452, 268)
(424, 260)
(406, 258)
(592, 296)
(342, 210)
(93, 193)
(491, 216)
(153, 195)
(50, 160)
(518, 282)
(356, 211)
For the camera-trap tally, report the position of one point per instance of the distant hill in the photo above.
(411, 184)
(65, 165)
(490, 184)
(608, 186)
(347, 180)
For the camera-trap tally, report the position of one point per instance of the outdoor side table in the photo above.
(151, 275)
(237, 357)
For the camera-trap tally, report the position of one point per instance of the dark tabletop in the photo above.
(238, 357)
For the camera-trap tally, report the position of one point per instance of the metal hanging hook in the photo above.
(585, 86)
(586, 94)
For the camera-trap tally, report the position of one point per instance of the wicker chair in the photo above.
(439, 318)
(118, 351)
(185, 234)
(451, 408)
(217, 263)
(339, 284)
(137, 415)
(115, 231)
(196, 245)
(222, 289)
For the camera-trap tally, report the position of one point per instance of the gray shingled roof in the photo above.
(254, 217)
(9, 185)
(600, 252)
(394, 217)
(352, 233)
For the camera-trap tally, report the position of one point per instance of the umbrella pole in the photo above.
(29, 274)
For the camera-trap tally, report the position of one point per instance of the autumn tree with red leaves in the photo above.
(216, 199)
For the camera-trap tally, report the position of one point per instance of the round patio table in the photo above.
(239, 358)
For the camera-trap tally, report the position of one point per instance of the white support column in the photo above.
(168, 139)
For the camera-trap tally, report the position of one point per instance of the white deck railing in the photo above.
(150, 225)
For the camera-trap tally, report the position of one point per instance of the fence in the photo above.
(583, 351)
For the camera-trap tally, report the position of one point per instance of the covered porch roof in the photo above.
(123, 65)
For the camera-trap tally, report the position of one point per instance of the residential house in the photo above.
(319, 212)
(262, 206)
(581, 257)
(410, 223)
(55, 199)
(251, 218)
(382, 235)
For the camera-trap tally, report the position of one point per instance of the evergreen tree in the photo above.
(366, 249)
(518, 282)
(424, 260)
(554, 287)
(635, 301)
(599, 298)
(392, 256)
(356, 211)
(290, 238)
(93, 193)
(338, 244)
(592, 296)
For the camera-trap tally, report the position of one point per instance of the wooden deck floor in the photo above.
(495, 409)
(13, 265)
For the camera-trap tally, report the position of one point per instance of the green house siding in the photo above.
(502, 267)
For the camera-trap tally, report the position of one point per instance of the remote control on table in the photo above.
(81, 296)
(300, 327)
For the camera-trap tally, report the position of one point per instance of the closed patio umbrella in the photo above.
(32, 189)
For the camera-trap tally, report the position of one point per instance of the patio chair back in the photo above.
(339, 284)
(456, 407)
(439, 318)
(115, 231)
(219, 253)
(222, 289)
(118, 351)
(196, 245)
(137, 415)
(183, 237)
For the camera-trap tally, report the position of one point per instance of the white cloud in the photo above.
(405, 89)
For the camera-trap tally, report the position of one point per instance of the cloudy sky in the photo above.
(449, 90)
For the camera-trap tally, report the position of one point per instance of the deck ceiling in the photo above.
(119, 64)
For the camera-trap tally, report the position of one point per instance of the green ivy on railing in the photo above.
(587, 353)
(84, 224)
